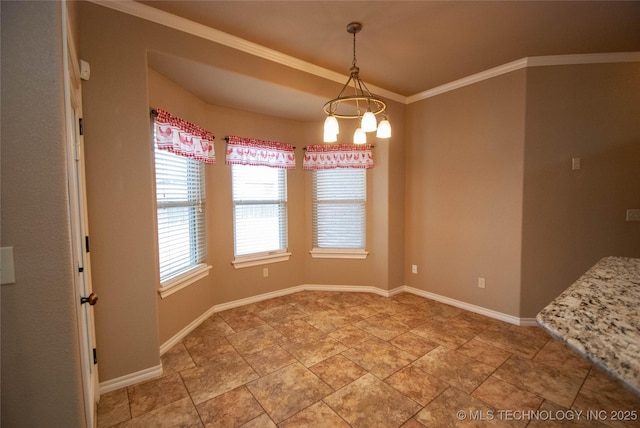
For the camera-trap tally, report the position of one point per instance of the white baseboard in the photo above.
(130, 379)
(188, 329)
(260, 297)
(468, 306)
(528, 322)
(150, 373)
(223, 307)
(345, 288)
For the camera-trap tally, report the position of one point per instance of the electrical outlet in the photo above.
(480, 282)
(265, 272)
(414, 268)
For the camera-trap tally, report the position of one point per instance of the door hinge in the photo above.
(80, 269)
(86, 243)
(80, 126)
(95, 356)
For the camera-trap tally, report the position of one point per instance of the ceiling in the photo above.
(405, 47)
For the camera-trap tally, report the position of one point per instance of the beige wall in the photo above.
(469, 166)
(491, 193)
(478, 162)
(464, 167)
(573, 218)
(225, 283)
(131, 320)
(41, 379)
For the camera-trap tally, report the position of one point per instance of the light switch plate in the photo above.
(7, 273)
(575, 164)
(633, 215)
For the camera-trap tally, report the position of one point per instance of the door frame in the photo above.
(78, 222)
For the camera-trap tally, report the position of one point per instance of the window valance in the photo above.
(182, 137)
(322, 156)
(251, 151)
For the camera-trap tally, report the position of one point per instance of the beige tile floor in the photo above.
(334, 359)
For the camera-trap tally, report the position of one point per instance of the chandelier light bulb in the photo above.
(384, 129)
(331, 125)
(330, 137)
(359, 137)
(369, 122)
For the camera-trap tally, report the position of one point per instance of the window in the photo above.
(180, 198)
(339, 212)
(259, 214)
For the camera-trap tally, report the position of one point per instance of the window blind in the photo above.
(339, 208)
(180, 196)
(259, 209)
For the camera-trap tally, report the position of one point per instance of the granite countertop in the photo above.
(599, 317)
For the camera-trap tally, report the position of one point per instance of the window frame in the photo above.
(338, 252)
(269, 256)
(181, 278)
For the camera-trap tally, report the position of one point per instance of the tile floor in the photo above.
(334, 359)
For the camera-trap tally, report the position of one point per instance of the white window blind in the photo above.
(339, 208)
(180, 197)
(259, 209)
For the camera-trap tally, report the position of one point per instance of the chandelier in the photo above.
(362, 105)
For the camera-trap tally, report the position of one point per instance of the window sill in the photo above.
(259, 259)
(338, 253)
(183, 280)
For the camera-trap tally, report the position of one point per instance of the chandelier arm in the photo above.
(368, 92)
(328, 106)
(346, 85)
(356, 80)
(364, 93)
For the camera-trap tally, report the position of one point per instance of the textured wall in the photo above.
(225, 283)
(491, 193)
(464, 192)
(131, 321)
(40, 355)
(573, 218)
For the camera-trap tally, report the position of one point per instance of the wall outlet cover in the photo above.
(7, 272)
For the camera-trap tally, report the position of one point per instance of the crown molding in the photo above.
(577, 59)
(469, 80)
(152, 14)
(534, 61)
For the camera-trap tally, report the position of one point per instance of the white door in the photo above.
(79, 233)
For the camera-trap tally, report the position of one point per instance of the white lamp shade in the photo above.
(330, 137)
(384, 129)
(369, 122)
(331, 125)
(359, 137)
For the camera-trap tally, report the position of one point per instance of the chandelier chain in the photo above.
(361, 94)
(354, 50)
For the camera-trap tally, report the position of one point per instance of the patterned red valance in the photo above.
(250, 151)
(322, 156)
(183, 138)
